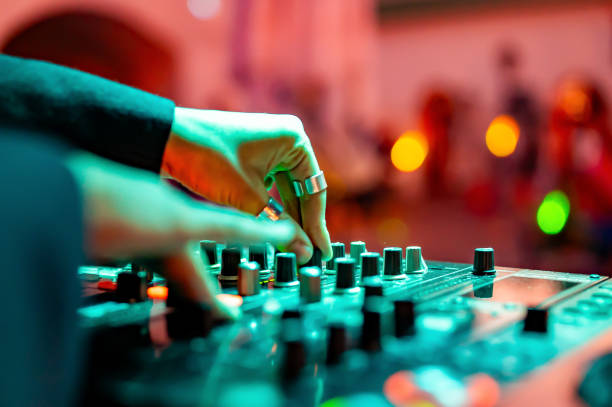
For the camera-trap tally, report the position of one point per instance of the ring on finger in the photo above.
(311, 185)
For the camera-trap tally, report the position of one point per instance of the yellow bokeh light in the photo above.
(409, 151)
(502, 136)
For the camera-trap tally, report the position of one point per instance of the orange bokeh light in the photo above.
(502, 136)
(409, 151)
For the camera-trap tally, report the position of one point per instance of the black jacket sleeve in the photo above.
(109, 119)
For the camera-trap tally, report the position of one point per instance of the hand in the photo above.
(234, 158)
(132, 213)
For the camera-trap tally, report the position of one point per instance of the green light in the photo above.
(335, 402)
(553, 212)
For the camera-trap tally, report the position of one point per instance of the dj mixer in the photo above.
(362, 329)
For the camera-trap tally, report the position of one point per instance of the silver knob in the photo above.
(414, 260)
(248, 278)
(310, 284)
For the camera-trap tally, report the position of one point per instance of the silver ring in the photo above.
(272, 210)
(311, 185)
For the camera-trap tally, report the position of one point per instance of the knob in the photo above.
(259, 254)
(230, 259)
(392, 268)
(345, 276)
(310, 284)
(208, 251)
(337, 343)
(189, 320)
(131, 286)
(295, 359)
(248, 278)
(338, 252)
(371, 329)
(356, 249)
(404, 317)
(286, 273)
(372, 286)
(316, 260)
(536, 320)
(483, 261)
(370, 264)
(414, 260)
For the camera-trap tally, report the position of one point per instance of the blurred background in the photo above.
(449, 124)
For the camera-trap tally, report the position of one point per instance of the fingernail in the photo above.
(302, 251)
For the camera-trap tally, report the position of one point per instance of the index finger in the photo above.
(312, 206)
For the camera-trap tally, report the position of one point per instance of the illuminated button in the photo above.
(231, 300)
(107, 285)
(157, 293)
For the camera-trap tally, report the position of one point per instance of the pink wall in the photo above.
(459, 51)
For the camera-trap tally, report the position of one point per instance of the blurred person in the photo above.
(61, 203)
(581, 144)
(436, 121)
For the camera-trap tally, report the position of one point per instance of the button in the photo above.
(536, 320)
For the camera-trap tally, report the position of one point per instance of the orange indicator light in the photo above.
(157, 292)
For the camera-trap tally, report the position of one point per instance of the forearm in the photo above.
(112, 120)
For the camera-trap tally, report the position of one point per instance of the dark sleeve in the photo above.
(112, 120)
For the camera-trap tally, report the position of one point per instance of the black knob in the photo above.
(372, 286)
(371, 329)
(483, 261)
(370, 264)
(286, 271)
(131, 286)
(393, 263)
(356, 249)
(338, 252)
(188, 320)
(337, 343)
(208, 248)
(316, 260)
(295, 359)
(230, 259)
(536, 320)
(404, 318)
(345, 276)
(259, 254)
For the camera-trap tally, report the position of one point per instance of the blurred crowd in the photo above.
(541, 194)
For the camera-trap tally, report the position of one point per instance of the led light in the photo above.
(409, 151)
(553, 213)
(157, 292)
(502, 136)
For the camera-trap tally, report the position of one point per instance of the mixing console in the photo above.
(360, 330)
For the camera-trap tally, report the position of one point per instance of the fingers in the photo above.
(187, 271)
(312, 206)
(206, 222)
(300, 244)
